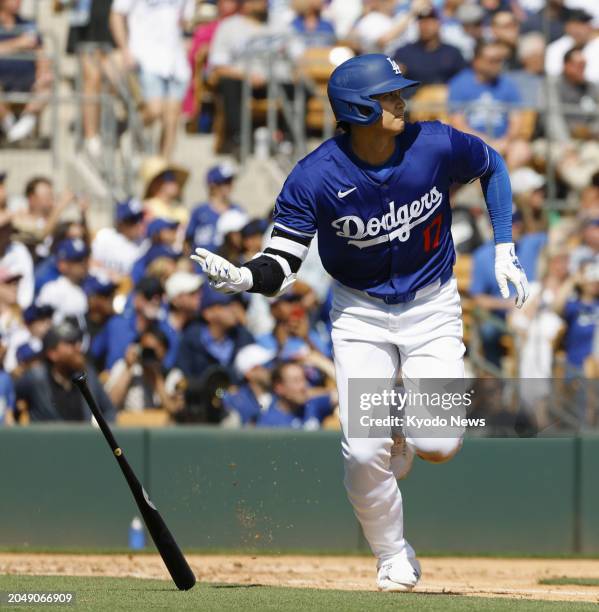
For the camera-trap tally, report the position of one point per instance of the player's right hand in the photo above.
(222, 274)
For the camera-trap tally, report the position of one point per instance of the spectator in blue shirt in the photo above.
(293, 335)
(429, 60)
(202, 229)
(143, 308)
(183, 295)
(214, 341)
(578, 303)
(487, 297)
(484, 102)
(314, 30)
(100, 297)
(7, 392)
(253, 396)
(162, 235)
(291, 405)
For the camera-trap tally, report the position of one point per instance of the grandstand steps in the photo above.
(258, 183)
(22, 164)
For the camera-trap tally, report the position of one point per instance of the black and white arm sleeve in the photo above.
(275, 269)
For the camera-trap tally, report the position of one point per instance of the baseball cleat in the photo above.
(402, 458)
(399, 575)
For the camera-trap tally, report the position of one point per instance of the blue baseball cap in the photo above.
(223, 173)
(72, 249)
(160, 250)
(37, 313)
(254, 227)
(98, 286)
(129, 210)
(212, 297)
(28, 351)
(157, 225)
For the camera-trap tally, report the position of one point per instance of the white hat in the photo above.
(525, 180)
(231, 221)
(182, 282)
(251, 356)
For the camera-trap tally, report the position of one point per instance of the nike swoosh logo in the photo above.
(342, 194)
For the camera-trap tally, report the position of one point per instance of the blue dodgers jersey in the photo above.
(384, 230)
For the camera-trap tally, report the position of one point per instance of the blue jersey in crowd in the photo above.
(310, 415)
(245, 403)
(384, 230)
(201, 230)
(583, 322)
(7, 395)
(466, 89)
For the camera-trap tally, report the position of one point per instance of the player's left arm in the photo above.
(473, 159)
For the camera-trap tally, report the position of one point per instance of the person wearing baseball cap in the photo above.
(183, 294)
(214, 340)
(202, 229)
(144, 307)
(161, 234)
(252, 236)
(115, 249)
(28, 354)
(100, 298)
(253, 395)
(579, 32)
(37, 320)
(65, 294)
(48, 391)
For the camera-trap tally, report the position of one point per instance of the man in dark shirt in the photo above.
(47, 388)
(216, 340)
(555, 13)
(428, 60)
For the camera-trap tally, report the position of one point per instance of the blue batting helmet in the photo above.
(354, 82)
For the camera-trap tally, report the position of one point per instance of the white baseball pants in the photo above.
(372, 339)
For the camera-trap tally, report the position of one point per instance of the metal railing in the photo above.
(114, 88)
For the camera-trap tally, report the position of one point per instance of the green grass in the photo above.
(135, 594)
(564, 580)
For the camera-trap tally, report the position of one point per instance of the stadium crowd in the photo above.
(126, 302)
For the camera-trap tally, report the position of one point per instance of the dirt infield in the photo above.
(515, 578)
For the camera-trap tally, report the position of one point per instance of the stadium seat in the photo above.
(315, 67)
(150, 417)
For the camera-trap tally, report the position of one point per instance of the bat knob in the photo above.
(79, 377)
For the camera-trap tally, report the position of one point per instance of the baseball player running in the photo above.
(377, 195)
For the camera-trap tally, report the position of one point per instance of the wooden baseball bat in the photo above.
(170, 552)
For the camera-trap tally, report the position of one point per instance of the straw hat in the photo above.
(154, 166)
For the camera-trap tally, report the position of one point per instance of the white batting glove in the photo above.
(508, 269)
(222, 274)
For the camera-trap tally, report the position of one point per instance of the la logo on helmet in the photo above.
(394, 65)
